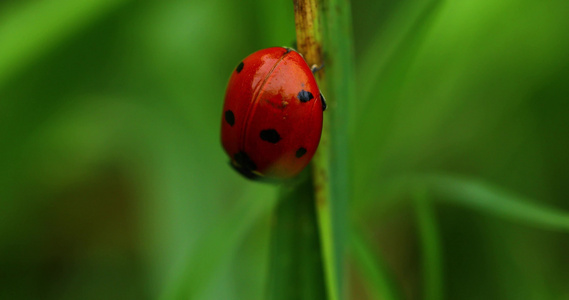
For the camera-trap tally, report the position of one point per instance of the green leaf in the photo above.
(374, 269)
(487, 198)
(474, 194)
(295, 260)
(430, 247)
(215, 249)
(338, 47)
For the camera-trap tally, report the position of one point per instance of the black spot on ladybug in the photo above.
(229, 117)
(300, 152)
(239, 67)
(270, 135)
(305, 96)
(324, 105)
(244, 161)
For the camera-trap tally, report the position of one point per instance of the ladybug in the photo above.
(272, 115)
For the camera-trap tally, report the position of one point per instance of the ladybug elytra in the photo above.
(272, 115)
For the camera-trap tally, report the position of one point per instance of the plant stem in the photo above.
(309, 35)
(340, 90)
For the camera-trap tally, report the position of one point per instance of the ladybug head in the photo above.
(245, 166)
(244, 171)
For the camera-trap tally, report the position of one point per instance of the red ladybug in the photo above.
(272, 115)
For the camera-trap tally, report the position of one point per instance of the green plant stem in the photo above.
(327, 246)
(323, 30)
(309, 42)
(340, 89)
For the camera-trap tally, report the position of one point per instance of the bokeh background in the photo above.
(113, 183)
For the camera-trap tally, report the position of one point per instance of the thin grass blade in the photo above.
(380, 281)
(296, 270)
(430, 246)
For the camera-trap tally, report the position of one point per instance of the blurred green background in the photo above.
(113, 183)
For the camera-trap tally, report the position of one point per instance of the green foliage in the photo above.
(296, 266)
(113, 183)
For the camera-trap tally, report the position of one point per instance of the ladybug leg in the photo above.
(324, 105)
(316, 68)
